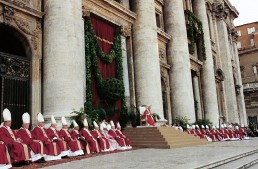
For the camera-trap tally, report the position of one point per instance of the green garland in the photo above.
(92, 52)
(195, 32)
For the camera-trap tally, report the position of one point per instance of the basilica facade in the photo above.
(180, 56)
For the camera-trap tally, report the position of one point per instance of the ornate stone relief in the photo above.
(8, 14)
(126, 31)
(220, 10)
(23, 25)
(234, 34)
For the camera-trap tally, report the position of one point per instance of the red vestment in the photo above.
(4, 157)
(36, 145)
(127, 140)
(53, 133)
(103, 142)
(74, 144)
(148, 117)
(50, 148)
(94, 146)
(75, 134)
(18, 151)
(120, 141)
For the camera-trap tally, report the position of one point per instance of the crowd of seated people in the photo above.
(22, 147)
(223, 132)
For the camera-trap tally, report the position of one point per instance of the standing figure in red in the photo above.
(120, 140)
(103, 142)
(37, 148)
(148, 116)
(119, 133)
(76, 147)
(19, 152)
(53, 134)
(51, 148)
(85, 132)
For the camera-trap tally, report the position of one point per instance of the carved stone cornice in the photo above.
(109, 10)
(220, 10)
(163, 36)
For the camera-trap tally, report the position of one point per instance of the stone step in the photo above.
(243, 160)
(152, 146)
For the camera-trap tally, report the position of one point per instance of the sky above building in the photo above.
(247, 11)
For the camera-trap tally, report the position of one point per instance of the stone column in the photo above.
(240, 95)
(197, 96)
(230, 94)
(125, 71)
(208, 77)
(126, 3)
(178, 58)
(146, 56)
(63, 64)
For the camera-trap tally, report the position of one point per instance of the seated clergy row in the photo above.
(40, 145)
(224, 133)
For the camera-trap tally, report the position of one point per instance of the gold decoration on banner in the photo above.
(104, 40)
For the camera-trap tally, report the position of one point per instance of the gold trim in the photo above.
(104, 40)
(26, 151)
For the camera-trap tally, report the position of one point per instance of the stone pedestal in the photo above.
(178, 58)
(146, 56)
(63, 62)
(208, 78)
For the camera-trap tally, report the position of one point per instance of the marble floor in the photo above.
(180, 158)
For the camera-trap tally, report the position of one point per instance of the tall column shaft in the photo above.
(208, 78)
(125, 71)
(240, 95)
(63, 62)
(178, 58)
(197, 97)
(146, 56)
(230, 100)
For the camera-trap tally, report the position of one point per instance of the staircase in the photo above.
(162, 137)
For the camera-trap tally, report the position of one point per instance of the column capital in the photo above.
(220, 10)
(85, 12)
(126, 30)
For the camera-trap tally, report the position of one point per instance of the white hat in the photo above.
(207, 127)
(75, 124)
(242, 125)
(118, 125)
(203, 127)
(213, 127)
(108, 127)
(7, 115)
(225, 125)
(53, 120)
(196, 126)
(193, 126)
(187, 126)
(101, 126)
(40, 117)
(85, 122)
(26, 118)
(112, 123)
(64, 122)
(217, 126)
(230, 126)
(95, 124)
(104, 125)
(237, 127)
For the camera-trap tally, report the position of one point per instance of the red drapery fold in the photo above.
(105, 33)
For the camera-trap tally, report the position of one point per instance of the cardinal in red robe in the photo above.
(53, 134)
(148, 116)
(120, 140)
(103, 142)
(76, 135)
(19, 152)
(76, 148)
(51, 148)
(37, 147)
(119, 133)
(86, 134)
(5, 160)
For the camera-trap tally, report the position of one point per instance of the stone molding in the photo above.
(220, 10)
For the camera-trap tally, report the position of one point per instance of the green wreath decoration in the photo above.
(195, 32)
